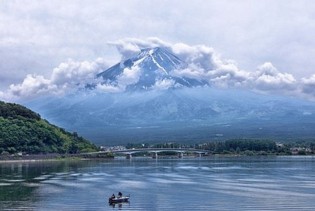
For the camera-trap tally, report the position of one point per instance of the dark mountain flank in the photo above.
(22, 130)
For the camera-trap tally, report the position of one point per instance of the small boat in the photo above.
(113, 200)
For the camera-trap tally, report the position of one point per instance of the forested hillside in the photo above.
(22, 130)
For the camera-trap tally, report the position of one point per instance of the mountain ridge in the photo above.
(154, 66)
(189, 114)
(22, 130)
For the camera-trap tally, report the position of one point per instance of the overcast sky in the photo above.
(37, 36)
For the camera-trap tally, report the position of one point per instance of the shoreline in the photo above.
(78, 158)
(50, 157)
(49, 160)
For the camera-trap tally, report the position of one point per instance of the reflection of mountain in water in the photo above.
(20, 182)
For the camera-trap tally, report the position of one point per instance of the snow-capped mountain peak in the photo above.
(162, 59)
(151, 68)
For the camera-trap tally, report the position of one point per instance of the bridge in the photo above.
(155, 151)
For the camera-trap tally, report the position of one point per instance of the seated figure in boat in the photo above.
(119, 195)
(113, 196)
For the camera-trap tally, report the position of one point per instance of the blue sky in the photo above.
(41, 40)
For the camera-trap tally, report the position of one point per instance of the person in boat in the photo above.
(113, 196)
(119, 194)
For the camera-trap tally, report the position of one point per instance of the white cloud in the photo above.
(230, 77)
(72, 73)
(108, 88)
(129, 76)
(191, 71)
(39, 34)
(129, 47)
(203, 63)
(199, 55)
(31, 85)
(308, 85)
(269, 78)
(68, 76)
(163, 84)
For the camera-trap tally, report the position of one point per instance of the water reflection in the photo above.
(19, 182)
(120, 205)
(218, 183)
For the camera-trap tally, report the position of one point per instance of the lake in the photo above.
(213, 183)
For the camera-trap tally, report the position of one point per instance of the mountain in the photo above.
(183, 115)
(22, 130)
(152, 66)
(187, 110)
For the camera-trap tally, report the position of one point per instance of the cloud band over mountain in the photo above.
(203, 63)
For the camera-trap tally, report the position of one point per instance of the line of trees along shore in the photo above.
(260, 147)
(241, 146)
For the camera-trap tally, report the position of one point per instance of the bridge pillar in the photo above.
(128, 156)
(180, 154)
(155, 155)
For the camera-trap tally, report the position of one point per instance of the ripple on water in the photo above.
(43, 177)
(257, 191)
(123, 184)
(30, 184)
(5, 184)
(13, 180)
(228, 168)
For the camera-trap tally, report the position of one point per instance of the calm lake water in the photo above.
(241, 183)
